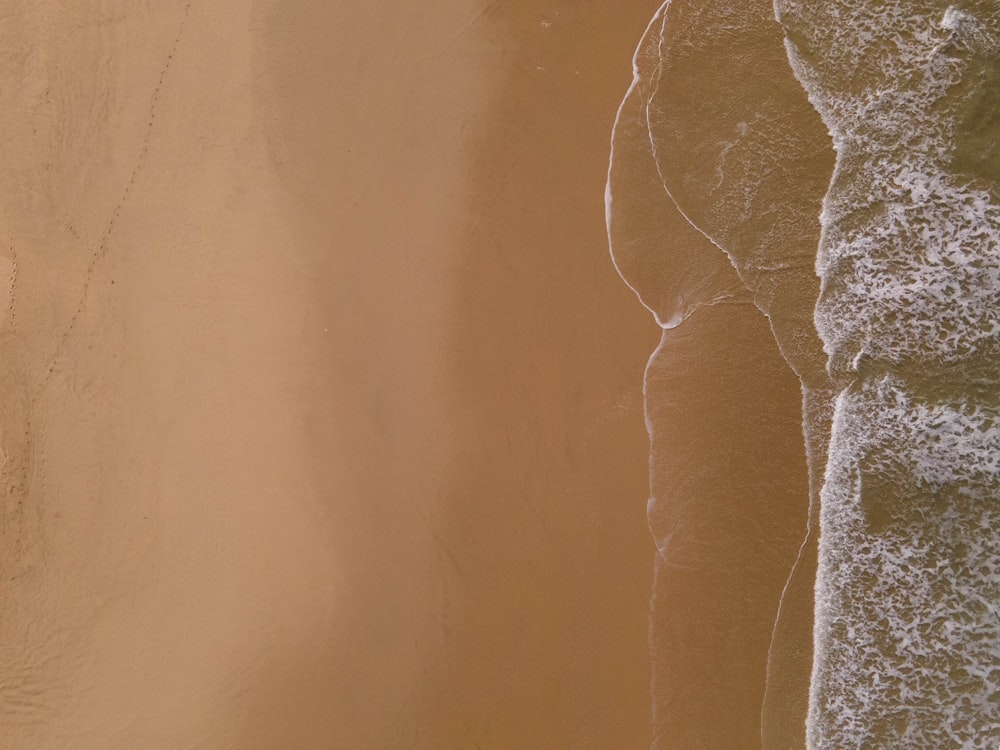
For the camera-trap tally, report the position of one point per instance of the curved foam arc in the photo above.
(674, 321)
(660, 15)
(608, 192)
(811, 457)
(608, 198)
(659, 18)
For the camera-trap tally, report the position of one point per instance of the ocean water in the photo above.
(841, 156)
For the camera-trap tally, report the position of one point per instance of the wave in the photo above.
(887, 309)
(712, 201)
(907, 633)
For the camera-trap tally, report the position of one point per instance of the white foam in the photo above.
(919, 279)
(608, 193)
(907, 622)
(906, 617)
(907, 626)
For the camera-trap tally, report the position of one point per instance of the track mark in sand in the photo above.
(102, 246)
(19, 468)
(14, 454)
(11, 304)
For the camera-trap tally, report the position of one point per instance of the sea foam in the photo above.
(907, 622)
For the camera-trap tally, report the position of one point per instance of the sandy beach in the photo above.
(321, 400)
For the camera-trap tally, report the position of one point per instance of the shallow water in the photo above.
(883, 296)
(711, 228)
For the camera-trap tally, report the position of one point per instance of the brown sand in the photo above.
(321, 412)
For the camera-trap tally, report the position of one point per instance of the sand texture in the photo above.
(320, 399)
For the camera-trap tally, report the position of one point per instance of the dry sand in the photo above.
(321, 412)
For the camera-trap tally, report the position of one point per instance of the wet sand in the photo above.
(731, 505)
(323, 422)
